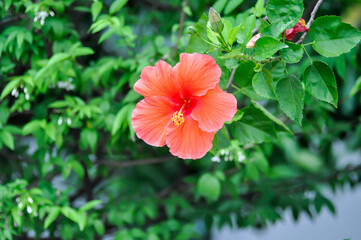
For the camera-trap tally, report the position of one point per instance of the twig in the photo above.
(312, 18)
(181, 26)
(231, 78)
(135, 162)
(13, 19)
(255, 30)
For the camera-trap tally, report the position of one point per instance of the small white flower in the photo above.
(20, 205)
(27, 96)
(52, 13)
(60, 121)
(241, 157)
(30, 200)
(216, 159)
(29, 209)
(68, 121)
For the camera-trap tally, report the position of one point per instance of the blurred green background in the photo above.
(72, 166)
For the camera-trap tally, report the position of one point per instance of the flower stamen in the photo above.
(177, 117)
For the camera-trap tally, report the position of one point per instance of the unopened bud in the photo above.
(215, 21)
(192, 30)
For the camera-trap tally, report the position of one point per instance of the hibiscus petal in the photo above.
(197, 73)
(188, 141)
(213, 109)
(150, 119)
(157, 81)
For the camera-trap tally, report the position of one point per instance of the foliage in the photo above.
(72, 166)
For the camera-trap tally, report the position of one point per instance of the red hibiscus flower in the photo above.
(183, 106)
(290, 33)
(299, 27)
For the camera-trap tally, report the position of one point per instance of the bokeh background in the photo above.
(73, 168)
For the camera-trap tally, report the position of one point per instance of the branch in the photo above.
(231, 78)
(135, 162)
(13, 19)
(180, 30)
(312, 18)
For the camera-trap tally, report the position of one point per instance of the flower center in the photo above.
(177, 117)
(303, 23)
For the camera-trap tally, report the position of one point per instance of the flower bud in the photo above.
(192, 30)
(215, 21)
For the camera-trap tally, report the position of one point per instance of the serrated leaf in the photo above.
(245, 32)
(244, 73)
(254, 127)
(320, 81)
(276, 29)
(292, 54)
(262, 84)
(290, 95)
(271, 116)
(265, 47)
(333, 37)
(289, 11)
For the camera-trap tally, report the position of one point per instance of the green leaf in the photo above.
(356, 87)
(99, 227)
(81, 220)
(244, 73)
(245, 33)
(254, 127)
(219, 5)
(96, 8)
(232, 4)
(233, 34)
(117, 5)
(259, 8)
(82, 51)
(271, 116)
(195, 43)
(209, 187)
(290, 95)
(292, 54)
(58, 57)
(265, 47)
(50, 131)
(53, 214)
(33, 126)
(90, 205)
(276, 29)
(9, 87)
(333, 37)
(262, 84)
(289, 11)
(120, 120)
(320, 81)
(88, 137)
(8, 139)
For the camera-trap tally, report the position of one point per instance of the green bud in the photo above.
(192, 30)
(215, 20)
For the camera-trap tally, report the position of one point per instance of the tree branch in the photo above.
(312, 18)
(231, 78)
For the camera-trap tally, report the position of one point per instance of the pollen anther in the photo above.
(177, 118)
